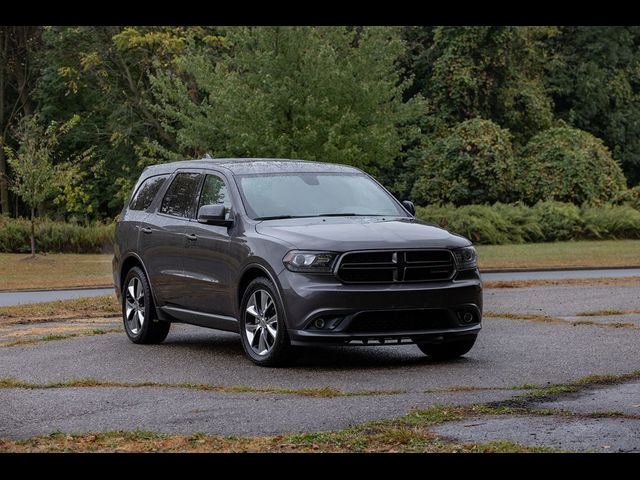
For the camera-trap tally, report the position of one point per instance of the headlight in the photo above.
(311, 262)
(466, 258)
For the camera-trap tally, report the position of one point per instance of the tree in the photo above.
(103, 72)
(35, 178)
(318, 93)
(17, 79)
(494, 73)
(568, 165)
(473, 164)
(594, 79)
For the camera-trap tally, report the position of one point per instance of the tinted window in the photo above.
(180, 197)
(214, 192)
(147, 192)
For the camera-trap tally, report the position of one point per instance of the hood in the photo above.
(341, 234)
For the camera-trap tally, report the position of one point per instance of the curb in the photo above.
(66, 289)
(555, 269)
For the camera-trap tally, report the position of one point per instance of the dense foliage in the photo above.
(460, 115)
(55, 237)
(569, 165)
(474, 163)
(543, 222)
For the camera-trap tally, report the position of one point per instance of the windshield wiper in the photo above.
(280, 217)
(349, 215)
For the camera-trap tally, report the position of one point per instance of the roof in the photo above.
(240, 166)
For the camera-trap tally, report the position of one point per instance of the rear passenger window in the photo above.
(180, 197)
(147, 192)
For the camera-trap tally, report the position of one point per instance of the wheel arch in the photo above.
(133, 260)
(250, 273)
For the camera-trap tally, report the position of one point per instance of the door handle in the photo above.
(192, 236)
(146, 230)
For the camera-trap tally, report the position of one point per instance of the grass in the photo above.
(532, 317)
(324, 392)
(54, 337)
(81, 308)
(409, 433)
(63, 270)
(605, 313)
(584, 253)
(613, 281)
(18, 272)
(541, 392)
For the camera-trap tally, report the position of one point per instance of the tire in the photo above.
(256, 329)
(447, 350)
(138, 307)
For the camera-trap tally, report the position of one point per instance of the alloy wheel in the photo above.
(134, 305)
(261, 322)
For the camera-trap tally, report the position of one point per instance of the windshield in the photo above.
(291, 195)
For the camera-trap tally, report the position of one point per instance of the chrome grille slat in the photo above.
(406, 266)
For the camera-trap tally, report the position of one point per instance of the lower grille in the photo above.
(396, 266)
(400, 321)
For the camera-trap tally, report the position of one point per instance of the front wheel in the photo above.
(262, 327)
(138, 312)
(447, 350)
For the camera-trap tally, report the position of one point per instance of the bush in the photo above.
(544, 222)
(55, 237)
(473, 164)
(568, 165)
(629, 197)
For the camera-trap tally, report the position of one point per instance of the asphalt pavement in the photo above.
(509, 352)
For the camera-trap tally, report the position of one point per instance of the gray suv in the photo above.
(290, 253)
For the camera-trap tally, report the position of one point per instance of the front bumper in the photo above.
(409, 313)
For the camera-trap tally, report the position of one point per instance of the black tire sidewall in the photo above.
(448, 350)
(281, 351)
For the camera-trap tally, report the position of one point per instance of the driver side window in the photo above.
(214, 192)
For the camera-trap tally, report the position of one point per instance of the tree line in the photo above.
(459, 115)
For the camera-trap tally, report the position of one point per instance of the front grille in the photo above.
(396, 266)
(400, 321)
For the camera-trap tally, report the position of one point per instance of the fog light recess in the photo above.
(325, 323)
(466, 317)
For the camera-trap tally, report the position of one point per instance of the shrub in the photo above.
(568, 165)
(55, 237)
(629, 197)
(473, 164)
(611, 222)
(544, 222)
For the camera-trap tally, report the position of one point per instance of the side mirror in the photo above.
(214, 215)
(411, 208)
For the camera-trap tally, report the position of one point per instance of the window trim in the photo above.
(135, 193)
(198, 188)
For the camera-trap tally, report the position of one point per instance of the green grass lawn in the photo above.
(18, 271)
(585, 253)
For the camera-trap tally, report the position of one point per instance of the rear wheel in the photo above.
(447, 350)
(138, 312)
(262, 327)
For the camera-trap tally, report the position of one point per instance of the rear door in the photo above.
(162, 239)
(209, 264)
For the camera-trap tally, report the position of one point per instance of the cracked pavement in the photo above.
(509, 353)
